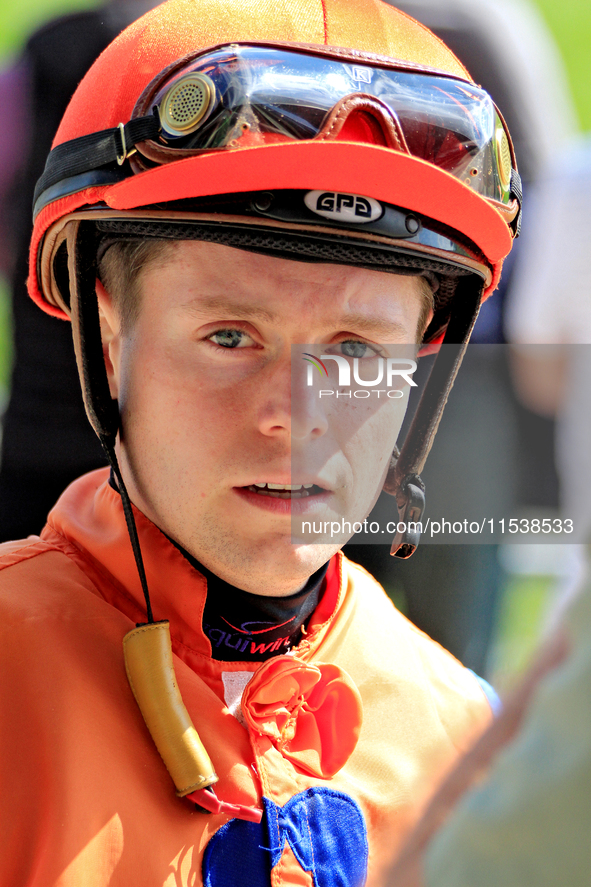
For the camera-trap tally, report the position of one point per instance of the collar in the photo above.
(253, 627)
(88, 524)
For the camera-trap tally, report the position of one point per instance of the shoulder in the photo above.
(19, 560)
(383, 643)
(368, 590)
(56, 631)
(373, 607)
(40, 581)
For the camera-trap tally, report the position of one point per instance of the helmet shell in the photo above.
(108, 94)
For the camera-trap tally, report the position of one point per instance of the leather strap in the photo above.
(403, 480)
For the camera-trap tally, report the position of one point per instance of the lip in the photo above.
(287, 481)
(287, 507)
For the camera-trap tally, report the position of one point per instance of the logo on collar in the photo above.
(348, 208)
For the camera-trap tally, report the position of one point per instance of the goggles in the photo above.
(243, 95)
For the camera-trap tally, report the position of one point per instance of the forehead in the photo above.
(197, 276)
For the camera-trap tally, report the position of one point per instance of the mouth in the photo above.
(285, 500)
(285, 491)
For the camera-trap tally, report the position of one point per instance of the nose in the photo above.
(290, 407)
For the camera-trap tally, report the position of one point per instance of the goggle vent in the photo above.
(504, 154)
(187, 104)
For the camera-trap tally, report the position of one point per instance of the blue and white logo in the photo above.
(324, 828)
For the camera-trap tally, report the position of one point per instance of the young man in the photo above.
(228, 183)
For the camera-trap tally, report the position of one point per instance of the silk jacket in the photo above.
(341, 765)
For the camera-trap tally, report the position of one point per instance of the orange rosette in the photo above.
(311, 713)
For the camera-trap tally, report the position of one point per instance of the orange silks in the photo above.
(311, 713)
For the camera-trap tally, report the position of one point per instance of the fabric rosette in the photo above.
(311, 713)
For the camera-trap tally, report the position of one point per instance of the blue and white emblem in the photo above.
(324, 828)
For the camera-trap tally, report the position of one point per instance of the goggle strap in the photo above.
(95, 150)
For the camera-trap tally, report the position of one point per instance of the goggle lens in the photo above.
(248, 95)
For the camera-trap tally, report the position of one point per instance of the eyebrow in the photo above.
(354, 323)
(236, 310)
(375, 326)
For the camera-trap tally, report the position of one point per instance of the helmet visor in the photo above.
(247, 95)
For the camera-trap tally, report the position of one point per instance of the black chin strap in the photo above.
(109, 449)
(102, 410)
(404, 481)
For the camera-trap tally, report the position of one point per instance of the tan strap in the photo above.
(150, 671)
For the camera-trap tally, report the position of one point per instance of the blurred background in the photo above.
(488, 604)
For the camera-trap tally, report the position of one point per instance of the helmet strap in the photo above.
(102, 410)
(403, 480)
(131, 526)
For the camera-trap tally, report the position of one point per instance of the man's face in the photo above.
(204, 384)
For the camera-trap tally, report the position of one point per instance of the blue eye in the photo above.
(229, 338)
(356, 349)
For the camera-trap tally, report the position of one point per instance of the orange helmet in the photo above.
(331, 130)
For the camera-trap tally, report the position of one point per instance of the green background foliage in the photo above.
(18, 18)
(570, 23)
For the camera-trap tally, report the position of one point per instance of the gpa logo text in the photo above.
(387, 371)
(351, 208)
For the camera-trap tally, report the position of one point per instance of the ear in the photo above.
(111, 337)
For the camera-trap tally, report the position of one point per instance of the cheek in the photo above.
(369, 424)
(169, 402)
(381, 432)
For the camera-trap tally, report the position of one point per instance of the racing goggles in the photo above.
(244, 95)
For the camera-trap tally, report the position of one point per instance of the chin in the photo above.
(289, 570)
(275, 568)
(311, 557)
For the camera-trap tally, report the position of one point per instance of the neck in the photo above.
(244, 627)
